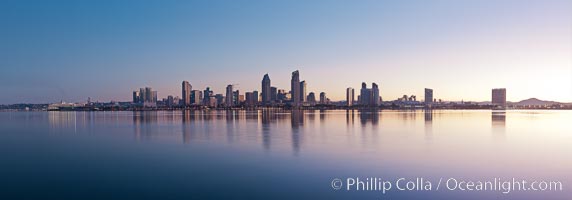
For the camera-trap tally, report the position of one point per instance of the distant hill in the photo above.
(533, 102)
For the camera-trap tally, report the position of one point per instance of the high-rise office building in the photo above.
(236, 97)
(186, 93)
(220, 99)
(148, 94)
(207, 94)
(154, 97)
(170, 101)
(365, 94)
(251, 98)
(295, 88)
(281, 95)
(311, 98)
(255, 96)
(142, 95)
(499, 97)
(249, 101)
(135, 96)
(428, 97)
(323, 99)
(369, 96)
(229, 98)
(196, 97)
(266, 90)
(350, 96)
(240, 99)
(302, 91)
(375, 101)
(273, 94)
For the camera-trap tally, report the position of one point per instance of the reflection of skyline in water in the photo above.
(200, 124)
(402, 140)
(63, 120)
(267, 128)
(144, 124)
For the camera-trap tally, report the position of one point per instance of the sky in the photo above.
(71, 50)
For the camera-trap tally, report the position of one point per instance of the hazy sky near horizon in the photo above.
(71, 50)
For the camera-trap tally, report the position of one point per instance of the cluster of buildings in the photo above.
(297, 96)
(145, 96)
(366, 97)
(268, 96)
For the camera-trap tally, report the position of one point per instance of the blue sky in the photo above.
(71, 50)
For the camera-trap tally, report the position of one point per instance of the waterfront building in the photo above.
(196, 97)
(302, 91)
(136, 96)
(273, 94)
(311, 98)
(229, 98)
(375, 101)
(350, 96)
(186, 93)
(369, 96)
(266, 90)
(295, 88)
(428, 97)
(207, 94)
(323, 99)
(499, 97)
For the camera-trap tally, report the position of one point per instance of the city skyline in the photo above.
(71, 51)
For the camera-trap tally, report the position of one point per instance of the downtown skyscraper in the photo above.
(295, 88)
(350, 96)
(266, 90)
(369, 96)
(186, 93)
(302, 91)
(375, 95)
(428, 97)
(229, 98)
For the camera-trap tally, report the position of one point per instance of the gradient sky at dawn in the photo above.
(71, 50)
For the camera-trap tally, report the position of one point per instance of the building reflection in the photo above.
(144, 123)
(498, 122)
(297, 121)
(428, 124)
(62, 122)
(232, 119)
(311, 114)
(322, 116)
(369, 116)
(349, 117)
(250, 115)
(268, 116)
(188, 120)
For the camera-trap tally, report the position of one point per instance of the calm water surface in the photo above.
(277, 154)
